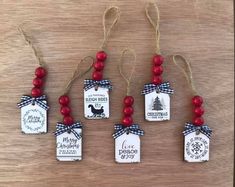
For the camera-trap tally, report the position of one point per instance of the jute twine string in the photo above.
(187, 70)
(155, 23)
(120, 66)
(78, 74)
(26, 38)
(114, 13)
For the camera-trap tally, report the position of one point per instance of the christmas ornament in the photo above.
(127, 140)
(196, 134)
(157, 93)
(34, 108)
(69, 132)
(96, 90)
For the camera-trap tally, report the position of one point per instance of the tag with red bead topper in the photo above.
(34, 108)
(157, 94)
(127, 140)
(96, 91)
(197, 135)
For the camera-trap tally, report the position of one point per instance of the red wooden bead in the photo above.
(158, 60)
(197, 100)
(64, 100)
(198, 121)
(127, 121)
(157, 79)
(36, 92)
(40, 72)
(99, 65)
(101, 55)
(198, 111)
(128, 111)
(37, 82)
(97, 75)
(157, 70)
(65, 110)
(128, 101)
(68, 120)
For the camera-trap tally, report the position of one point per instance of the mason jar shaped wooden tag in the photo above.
(33, 119)
(157, 106)
(127, 148)
(96, 103)
(196, 147)
(69, 147)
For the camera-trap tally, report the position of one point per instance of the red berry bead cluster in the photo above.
(128, 111)
(65, 110)
(97, 75)
(40, 73)
(198, 110)
(157, 69)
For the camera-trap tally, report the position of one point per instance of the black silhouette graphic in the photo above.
(197, 148)
(157, 105)
(97, 112)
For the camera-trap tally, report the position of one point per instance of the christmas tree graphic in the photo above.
(157, 105)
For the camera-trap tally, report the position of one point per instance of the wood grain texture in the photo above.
(65, 31)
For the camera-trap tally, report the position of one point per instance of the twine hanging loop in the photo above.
(155, 23)
(120, 66)
(78, 73)
(114, 13)
(187, 70)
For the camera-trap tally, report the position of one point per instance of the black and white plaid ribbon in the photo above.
(121, 129)
(204, 129)
(62, 128)
(26, 100)
(163, 88)
(89, 83)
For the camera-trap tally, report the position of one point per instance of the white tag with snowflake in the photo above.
(157, 106)
(69, 147)
(96, 103)
(196, 147)
(33, 119)
(127, 148)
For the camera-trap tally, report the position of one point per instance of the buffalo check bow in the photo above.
(89, 83)
(163, 88)
(121, 129)
(26, 100)
(62, 128)
(204, 129)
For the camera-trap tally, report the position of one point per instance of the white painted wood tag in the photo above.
(96, 103)
(69, 148)
(33, 119)
(196, 147)
(157, 106)
(127, 148)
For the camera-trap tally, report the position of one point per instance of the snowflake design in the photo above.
(197, 148)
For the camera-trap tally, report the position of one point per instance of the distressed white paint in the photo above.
(68, 147)
(33, 119)
(127, 148)
(96, 103)
(196, 147)
(157, 111)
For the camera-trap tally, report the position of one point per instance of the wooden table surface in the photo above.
(64, 31)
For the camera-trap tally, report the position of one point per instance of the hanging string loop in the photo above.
(114, 13)
(155, 23)
(78, 73)
(29, 42)
(187, 70)
(133, 62)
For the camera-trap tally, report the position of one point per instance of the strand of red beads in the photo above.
(40, 73)
(198, 110)
(128, 111)
(97, 74)
(157, 69)
(65, 110)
